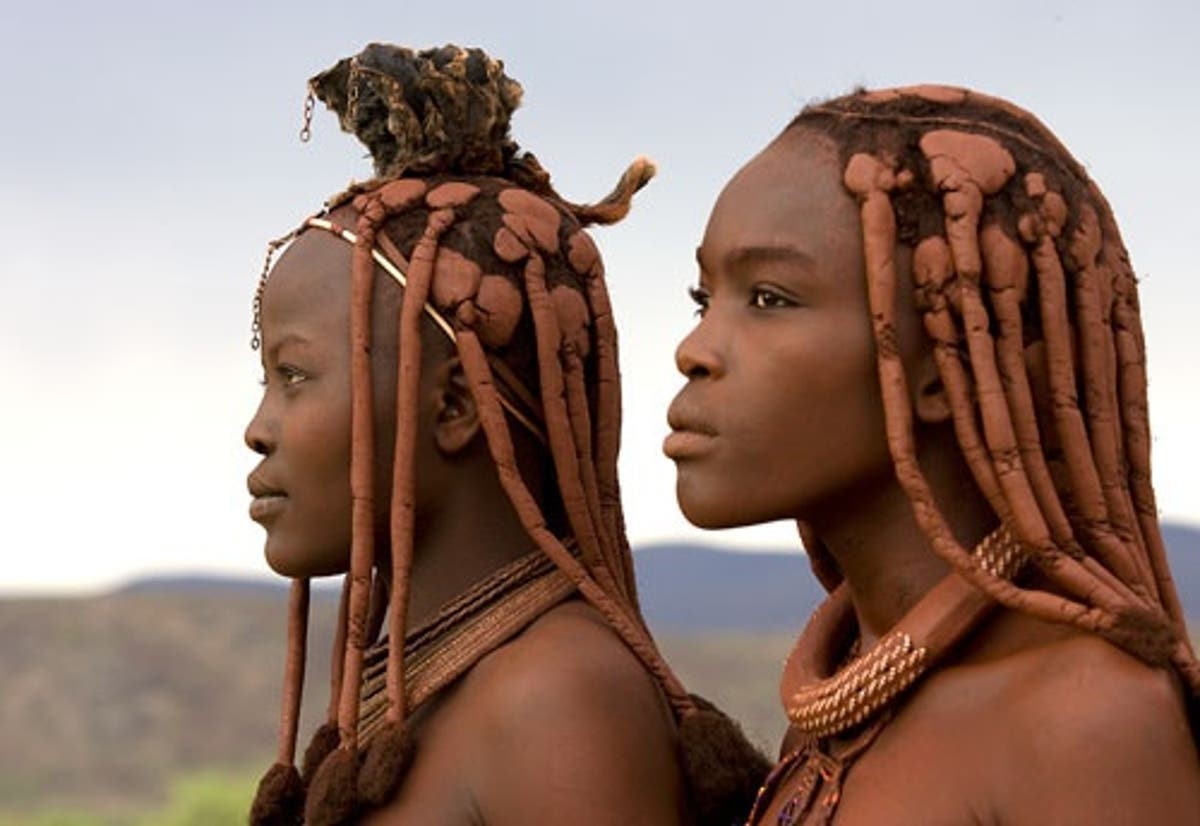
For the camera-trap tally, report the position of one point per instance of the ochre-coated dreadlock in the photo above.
(1029, 299)
(486, 248)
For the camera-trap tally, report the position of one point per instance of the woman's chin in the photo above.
(707, 518)
(712, 513)
(302, 566)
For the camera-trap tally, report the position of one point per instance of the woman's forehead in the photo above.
(313, 271)
(790, 197)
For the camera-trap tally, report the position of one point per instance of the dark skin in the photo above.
(561, 724)
(782, 418)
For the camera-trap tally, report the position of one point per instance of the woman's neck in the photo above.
(474, 533)
(884, 556)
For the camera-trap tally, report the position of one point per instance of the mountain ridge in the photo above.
(104, 698)
(688, 587)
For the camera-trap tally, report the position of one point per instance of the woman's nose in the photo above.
(258, 432)
(696, 357)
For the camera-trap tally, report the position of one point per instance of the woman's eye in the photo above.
(284, 374)
(290, 376)
(765, 299)
(700, 298)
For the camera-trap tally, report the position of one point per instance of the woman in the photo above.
(440, 419)
(919, 336)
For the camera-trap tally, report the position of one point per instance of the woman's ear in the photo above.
(456, 415)
(931, 403)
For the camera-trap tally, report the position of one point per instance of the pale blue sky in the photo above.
(148, 151)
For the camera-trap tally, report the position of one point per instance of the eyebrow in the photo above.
(762, 254)
(286, 338)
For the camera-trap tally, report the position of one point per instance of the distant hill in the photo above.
(201, 584)
(1183, 551)
(103, 699)
(697, 589)
(690, 588)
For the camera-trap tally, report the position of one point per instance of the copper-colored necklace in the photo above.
(839, 704)
(822, 704)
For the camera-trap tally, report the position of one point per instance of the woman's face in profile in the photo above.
(301, 486)
(781, 415)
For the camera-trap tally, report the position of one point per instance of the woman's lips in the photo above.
(690, 435)
(687, 444)
(265, 507)
(267, 500)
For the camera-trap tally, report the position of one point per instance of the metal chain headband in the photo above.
(507, 382)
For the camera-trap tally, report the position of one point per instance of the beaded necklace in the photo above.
(838, 705)
(464, 630)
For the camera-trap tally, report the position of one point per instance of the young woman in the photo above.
(919, 337)
(440, 419)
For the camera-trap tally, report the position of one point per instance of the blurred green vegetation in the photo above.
(207, 798)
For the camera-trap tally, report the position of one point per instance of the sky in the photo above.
(148, 150)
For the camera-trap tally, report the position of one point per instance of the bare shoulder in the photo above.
(571, 727)
(583, 645)
(1090, 688)
(567, 663)
(1095, 736)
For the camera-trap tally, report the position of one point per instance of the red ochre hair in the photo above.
(1029, 299)
(486, 247)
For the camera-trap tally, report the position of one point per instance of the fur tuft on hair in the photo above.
(443, 110)
(387, 760)
(1143, 634)
(322, 744)
(332, 795)
(279, 799)
(723, 769)
(615, 205)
